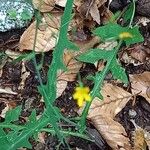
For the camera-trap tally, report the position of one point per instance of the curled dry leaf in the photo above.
(45, 41)
(102, 114)
(44, 5)
(140, 84)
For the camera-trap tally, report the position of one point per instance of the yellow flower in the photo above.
(81, 94)
(125, 35)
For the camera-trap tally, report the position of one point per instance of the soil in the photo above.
(30, 99)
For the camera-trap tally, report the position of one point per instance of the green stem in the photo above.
(66, 133)
(82, 122)
(25, 134)
(133, 13)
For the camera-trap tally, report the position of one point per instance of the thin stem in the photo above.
(96, 88)
(133, 13)
(66, 133)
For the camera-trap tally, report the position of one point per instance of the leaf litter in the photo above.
(102, 113)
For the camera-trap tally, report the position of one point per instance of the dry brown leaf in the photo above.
(140, 84)
(44, 5)
(4, 110)
(100, 2)
(95, 13)
(24, 76)
(138, 53)
(115, 99)
(12, 54)
(106, 15)
(61, 3)
(102, 114)
(72, 64)
(73, 67)
(53, 19)
(90, 7)
(46, 38)
(7, 90)
(61, 86)
(112, 131)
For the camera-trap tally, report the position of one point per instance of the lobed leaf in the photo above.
(112, 31)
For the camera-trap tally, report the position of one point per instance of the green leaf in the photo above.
(113, 31)
(128, 13)
(118, 72)
(94, 55)
(109, 31)
(32, 119)
(137, 37)
(4, 143)
(13, 115)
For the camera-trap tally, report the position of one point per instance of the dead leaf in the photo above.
(61, 86)
(90, 7)
(140, 84)
(44, 5)
(46, 38)
(106, 15)
(61, 3)
(6, 105)
(102, 114)
(126, 58)
(112, 131)
(41, 137)
(138, 53)
(12, 54)
(53, 19)
(95, 13)
(4, 110)
(100, 2)
(7, 90)
(24, 76)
